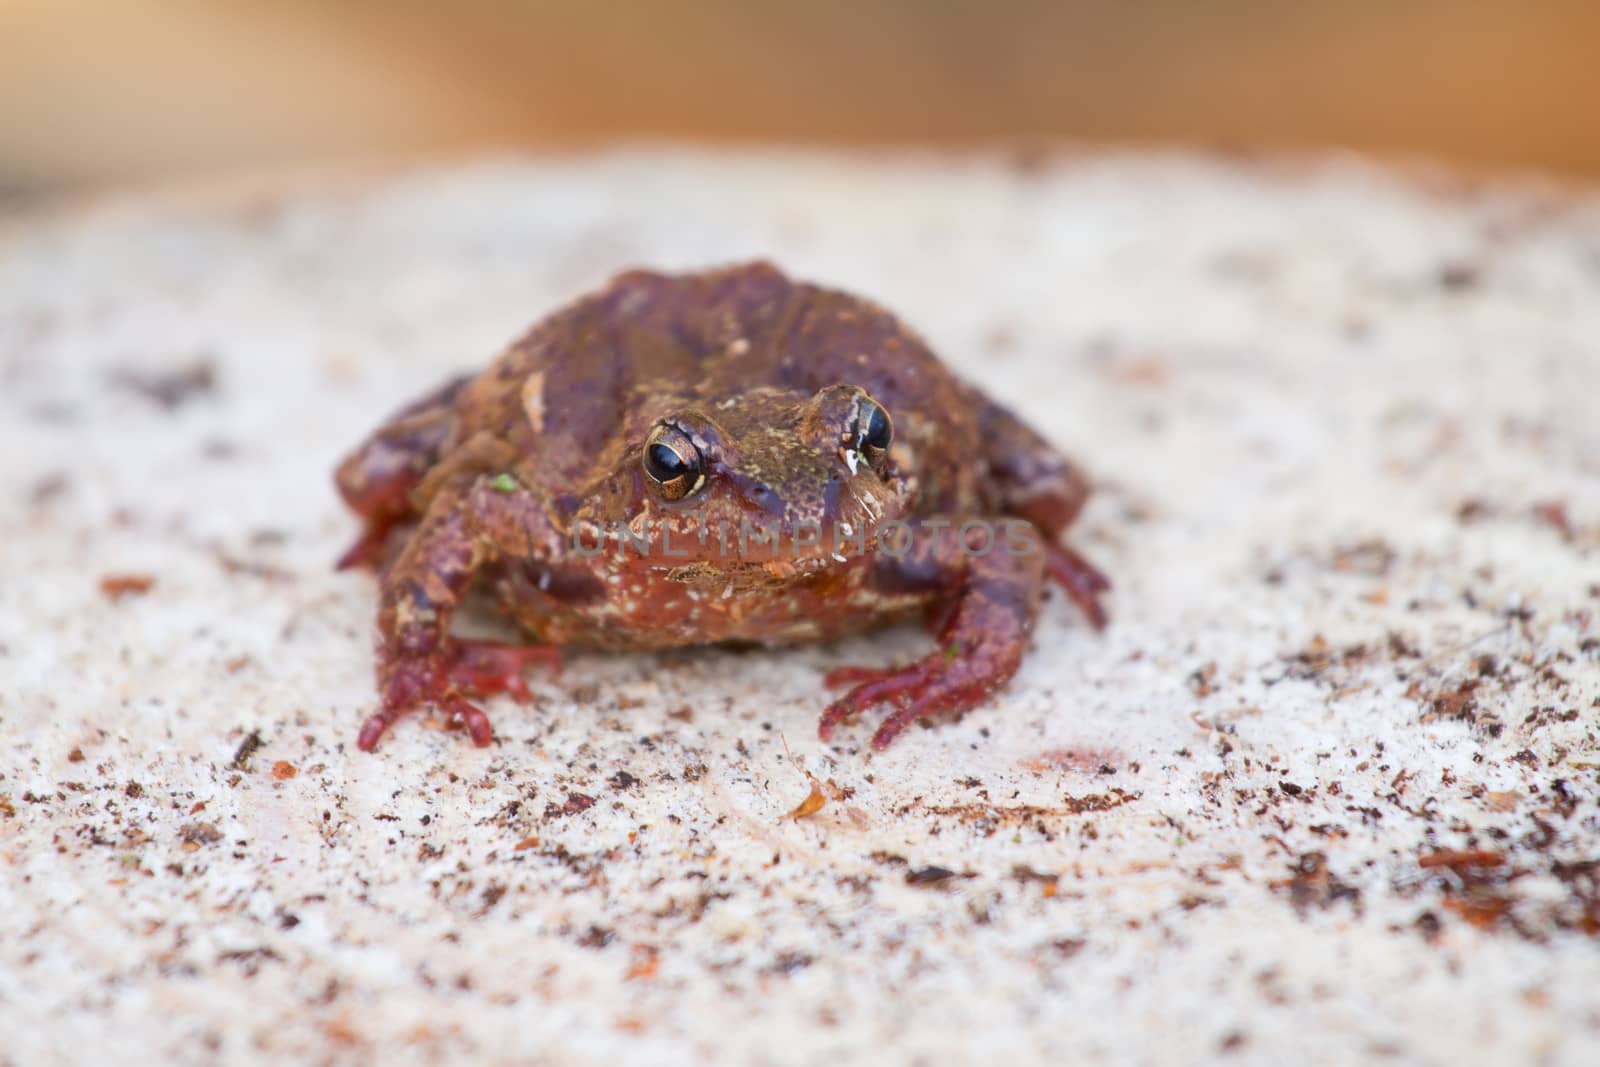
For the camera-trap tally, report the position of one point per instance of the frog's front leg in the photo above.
(469, 524)
(1031, 479)
(377, 479)
(984, 576)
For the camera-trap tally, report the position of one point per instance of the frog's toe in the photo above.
(406, 683)
(1081, 580)
(374, 728)
(943, 685)
(367, 550)
(858, 676)
(870, 685)
(464, 713)
(459, 711)
(925, 689)
(467, 670)
(485, 668)
(937, 698)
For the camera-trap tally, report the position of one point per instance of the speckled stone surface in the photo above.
(1327, 787)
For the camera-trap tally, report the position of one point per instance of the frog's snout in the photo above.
(763, 500)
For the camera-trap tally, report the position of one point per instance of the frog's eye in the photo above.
(873, 430)
(673, 463)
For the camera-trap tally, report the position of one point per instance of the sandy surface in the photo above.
(1327, 787)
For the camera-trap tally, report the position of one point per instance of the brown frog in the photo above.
(727, 456)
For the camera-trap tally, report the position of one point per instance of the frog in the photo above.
(727, 456)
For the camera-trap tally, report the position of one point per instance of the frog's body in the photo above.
(690, 459)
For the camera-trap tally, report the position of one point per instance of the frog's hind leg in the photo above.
(1030, 479)
(377, 479)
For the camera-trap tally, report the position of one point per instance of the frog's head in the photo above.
(774, 478)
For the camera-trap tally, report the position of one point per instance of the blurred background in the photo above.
(97, 91)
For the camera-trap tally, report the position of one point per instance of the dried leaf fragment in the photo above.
(813, 803)
(117, 586)
(1454, 858)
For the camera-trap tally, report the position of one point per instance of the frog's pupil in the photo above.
(664, 464)
(876, 434)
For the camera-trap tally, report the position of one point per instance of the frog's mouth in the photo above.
(739, 575)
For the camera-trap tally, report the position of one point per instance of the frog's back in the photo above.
(589, 380)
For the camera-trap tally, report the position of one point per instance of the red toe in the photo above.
(874, 686)
(931, 702)
(484, 668)
(463, 713)
(368, 548)
(371, 731)
(1081, 580)
(856, 675)
(451, 680)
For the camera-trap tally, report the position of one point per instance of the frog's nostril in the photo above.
(762, 497)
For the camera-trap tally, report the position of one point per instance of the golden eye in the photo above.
(673, 463)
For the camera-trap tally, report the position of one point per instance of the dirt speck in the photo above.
(934, 876)
(246, 749)
(1459, 859)
(1082, 760)
(116, 587)
(1312, 884)
(169, 388)
(197, 835)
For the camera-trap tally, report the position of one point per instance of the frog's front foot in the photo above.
(450, 680)
(984, 607)
(948, 682)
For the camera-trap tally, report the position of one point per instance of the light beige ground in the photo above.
(1345, 424)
